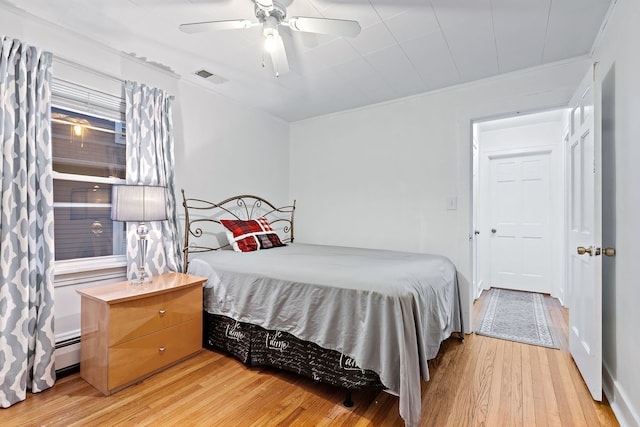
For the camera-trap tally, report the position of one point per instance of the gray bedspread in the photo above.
(387, 310)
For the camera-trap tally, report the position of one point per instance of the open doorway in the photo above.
(518, 203)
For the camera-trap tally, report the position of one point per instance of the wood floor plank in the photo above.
(475, 380)
(514, 414)
(483, 381)
(507, 417)
(604, 413)
(487, 372)
(528, 394)
(495, 392)
(552, 413)
(383, 410)
(559, 321)
(446, 375)
(563, 365)
(583, 396)
(442, 410)
(564, 396)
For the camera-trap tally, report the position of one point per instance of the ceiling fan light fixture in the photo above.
(270, 42)
(271, 34)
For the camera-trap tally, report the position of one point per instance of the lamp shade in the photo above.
(139, 203)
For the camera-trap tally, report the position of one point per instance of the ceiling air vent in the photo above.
(208, 75)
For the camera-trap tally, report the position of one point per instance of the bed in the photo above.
(350, 317)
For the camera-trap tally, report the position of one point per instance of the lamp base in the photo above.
(141, 281)
(142, 276)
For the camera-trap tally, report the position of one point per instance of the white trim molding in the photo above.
(79, 271)
(622, 407)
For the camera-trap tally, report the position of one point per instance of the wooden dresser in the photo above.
(132, 331)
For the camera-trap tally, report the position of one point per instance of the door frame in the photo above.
(480, 217)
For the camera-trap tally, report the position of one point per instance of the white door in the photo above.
(585, 227)
(520, 195)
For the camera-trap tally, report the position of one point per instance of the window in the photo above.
(89, 149)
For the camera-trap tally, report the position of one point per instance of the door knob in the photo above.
(493, 230)
(582, 250)
(596, 251)
(476, 232)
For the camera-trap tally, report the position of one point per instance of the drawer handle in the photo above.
(162, 349)
(162, 312)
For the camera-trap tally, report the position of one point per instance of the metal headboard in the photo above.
(202, 220)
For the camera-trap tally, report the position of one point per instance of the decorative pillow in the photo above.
(251, 235)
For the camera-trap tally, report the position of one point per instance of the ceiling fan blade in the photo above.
(264, 4)
(279, 57)
(336, 27)
(198, 27)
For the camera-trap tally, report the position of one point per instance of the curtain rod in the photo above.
(99, 73)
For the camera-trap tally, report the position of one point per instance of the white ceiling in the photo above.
(405, 47)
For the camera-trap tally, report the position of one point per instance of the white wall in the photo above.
(521, 132)
(620, 49)
(380, 176)
(524, 134)
(227, 149)
(221, 148)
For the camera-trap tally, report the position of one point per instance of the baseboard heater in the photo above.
(67, 357)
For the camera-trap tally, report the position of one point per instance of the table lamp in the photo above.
(141, 204)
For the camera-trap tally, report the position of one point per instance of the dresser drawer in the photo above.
(139, 357)
(136, 318)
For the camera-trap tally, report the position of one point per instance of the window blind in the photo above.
(72, 96)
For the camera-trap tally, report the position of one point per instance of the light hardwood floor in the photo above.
(481, 382)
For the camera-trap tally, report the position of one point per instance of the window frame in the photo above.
(82, 100)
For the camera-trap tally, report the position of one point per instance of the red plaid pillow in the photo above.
(251, 235)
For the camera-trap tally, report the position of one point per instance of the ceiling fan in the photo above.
(271, 14)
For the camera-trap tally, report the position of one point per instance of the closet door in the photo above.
(520, 195)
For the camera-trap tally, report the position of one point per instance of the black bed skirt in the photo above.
(256, 346)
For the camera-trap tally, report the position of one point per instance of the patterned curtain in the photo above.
(27, 340)
(150, 161)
